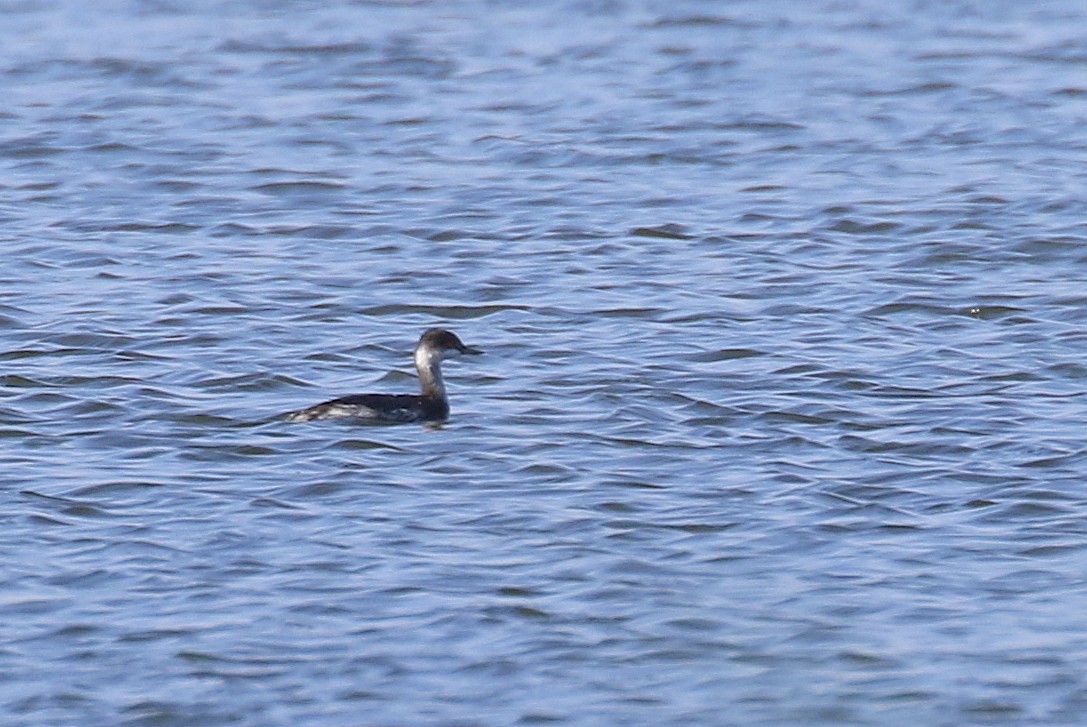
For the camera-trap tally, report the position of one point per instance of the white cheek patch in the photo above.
(425, 358)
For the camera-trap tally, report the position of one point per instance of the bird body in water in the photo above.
(431, 405)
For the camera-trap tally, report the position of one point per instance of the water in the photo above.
(781, 420)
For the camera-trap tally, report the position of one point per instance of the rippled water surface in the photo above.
(782, 414)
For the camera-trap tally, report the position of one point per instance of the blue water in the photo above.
(782, 414)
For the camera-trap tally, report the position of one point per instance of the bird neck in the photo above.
(428, 364)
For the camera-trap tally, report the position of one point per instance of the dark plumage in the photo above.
(434, 345)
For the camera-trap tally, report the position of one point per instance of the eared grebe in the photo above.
(432, 405)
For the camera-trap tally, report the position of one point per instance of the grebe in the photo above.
(432, 405)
